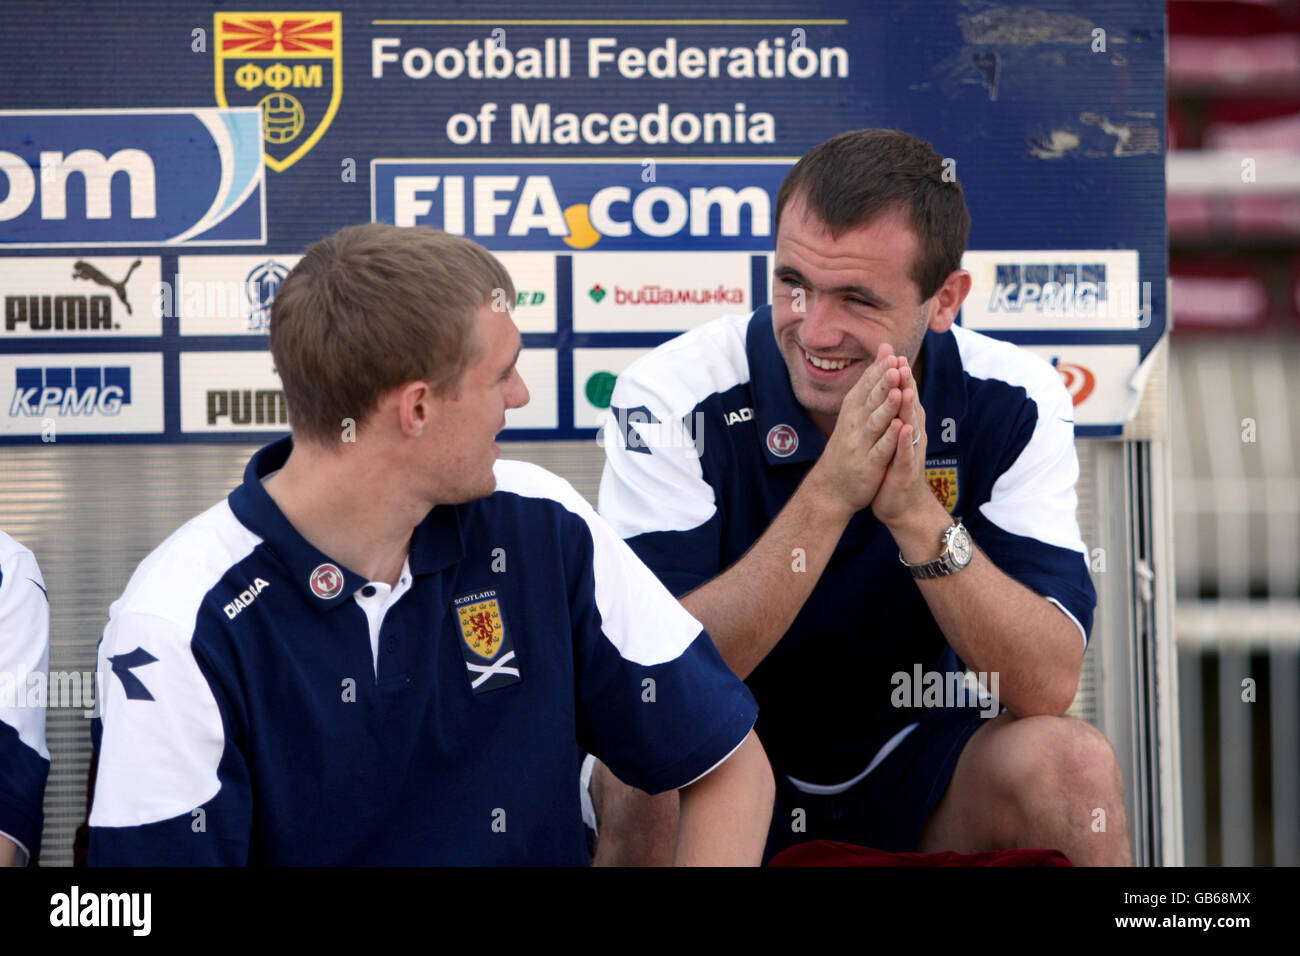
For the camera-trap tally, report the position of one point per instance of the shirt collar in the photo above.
(436, 543)
(943, 388)
(778, 414)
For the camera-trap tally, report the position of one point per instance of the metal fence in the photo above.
(1235, 427)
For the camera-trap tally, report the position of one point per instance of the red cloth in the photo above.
(834, 853)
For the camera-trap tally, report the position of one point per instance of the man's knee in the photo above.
(634, 828)
(1059, 753)
(1061, 768)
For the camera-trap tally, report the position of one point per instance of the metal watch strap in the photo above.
(938, 568)
(941, 566)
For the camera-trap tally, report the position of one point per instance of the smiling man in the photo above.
(386, 646)
(876, 502)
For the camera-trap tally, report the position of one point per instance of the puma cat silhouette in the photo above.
(81, 269)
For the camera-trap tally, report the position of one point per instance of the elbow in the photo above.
(1052, 699)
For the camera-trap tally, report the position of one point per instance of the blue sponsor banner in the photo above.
(561, 132)
(89, 178)
(602, 205)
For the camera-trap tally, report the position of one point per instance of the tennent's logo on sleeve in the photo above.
(597, 204)
(130, 178)
(288, 64)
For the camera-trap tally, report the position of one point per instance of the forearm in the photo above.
(997, 625)
(748, 607)
(725, 816)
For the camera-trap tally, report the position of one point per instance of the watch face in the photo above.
(959, 545)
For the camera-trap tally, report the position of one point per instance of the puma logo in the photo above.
(81, 269)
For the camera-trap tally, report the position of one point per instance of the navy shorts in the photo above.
(887, 809)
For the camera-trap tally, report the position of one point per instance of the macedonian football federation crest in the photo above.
(485, 644)
(941, 475)
(289, 64)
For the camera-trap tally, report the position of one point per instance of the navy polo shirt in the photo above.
(24, 660)
(268, 705)
(706, 442)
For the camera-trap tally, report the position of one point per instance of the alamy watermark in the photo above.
(946, 689)
(56, 690)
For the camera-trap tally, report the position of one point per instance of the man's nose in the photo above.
(518, 395)
(818, 329)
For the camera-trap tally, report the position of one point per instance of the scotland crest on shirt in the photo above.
(941, 475)
(485, 643)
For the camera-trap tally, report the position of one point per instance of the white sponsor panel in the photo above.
(224, 295)
(538, 368)
(533, 274)
(1102, 380)
(75, 297)
(1057, 289)
(594, 372)
(657, 291)
(231, 392)
(107, 393)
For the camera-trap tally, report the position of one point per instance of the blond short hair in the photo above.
(371, 308)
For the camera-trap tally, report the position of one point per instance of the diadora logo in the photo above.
(602, 204)
(738, 416)
(245, 597)
(130, 178)
(70, 391)
(289, 65)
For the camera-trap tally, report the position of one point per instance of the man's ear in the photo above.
(949, 298)
(416, 406)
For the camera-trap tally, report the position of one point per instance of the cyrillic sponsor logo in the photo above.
(660, 295)
(629, 293)
(190, 176)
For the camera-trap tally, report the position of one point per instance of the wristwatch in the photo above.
(956, 554)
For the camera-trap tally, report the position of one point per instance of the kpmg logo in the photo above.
(131, 177)
(603, 205)
(79, 391)
(1047, 287)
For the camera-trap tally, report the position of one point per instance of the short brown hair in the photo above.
(371, 308)
(856, 177)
